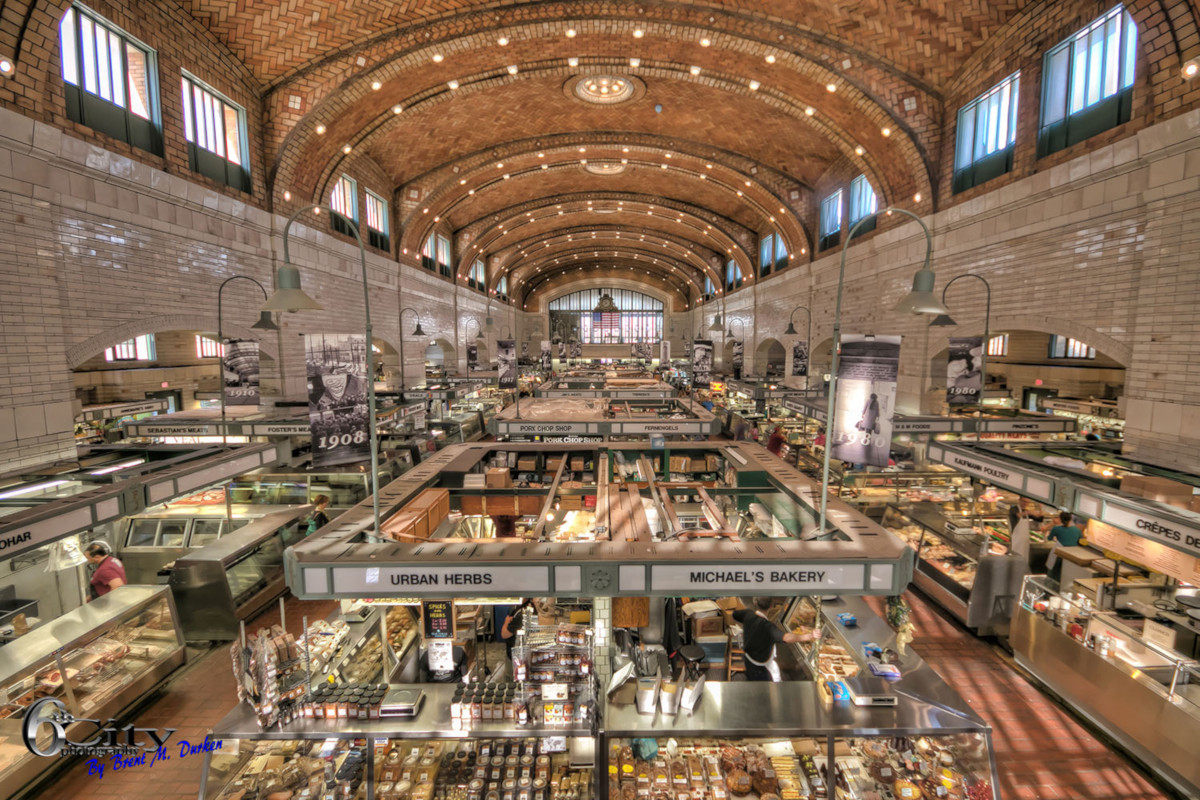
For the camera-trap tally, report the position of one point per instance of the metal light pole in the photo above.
(791, 331)
(265, 323)
(923, 283)
(370, 356)
(416, 332)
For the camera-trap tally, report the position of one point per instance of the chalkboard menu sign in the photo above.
(438, 619)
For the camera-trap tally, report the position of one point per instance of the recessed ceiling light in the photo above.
(583, 149)
(705, 42)
(376, 86)
(638, 33)
(635, 62)
(754, 86)
(858, 151)
(541, 155)
(424, 210)
(453, 84)
(886, 131)
(917, 197)
(287, 195)
(512, 69)
(462, 182)
(809, 110)
(694, 70)
(574, 62)
(545, 166)
(502, 41)
(396, 109)
(437, 58)
(739, 192)
(506, 176)
(346, 149)
(470, 191)
(747, 183)
(320, 130)
(6, 66)
(831, 87)
(499, 165)
(570, 33)
(1190, 69)
(770, 59)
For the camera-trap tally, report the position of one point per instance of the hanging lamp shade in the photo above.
(921, 299)
(716, 324)
(942, 321)
(265, 322)
(791, 330)
(288, 296)
(417, 331)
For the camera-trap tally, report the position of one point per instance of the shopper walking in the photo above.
(318, 519)
(759, 637)
(109, 573)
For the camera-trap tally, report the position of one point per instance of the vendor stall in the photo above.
(604, 417)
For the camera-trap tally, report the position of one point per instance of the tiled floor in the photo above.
(194, 702)
(1041, 751)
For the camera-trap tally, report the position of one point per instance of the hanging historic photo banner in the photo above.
(640, 350)
(702, 362)
(800, 359)
(506, 363)
(964, 380)
(738, 357)
(472, 356)
(576, 349)
(664, 352)
(524, 351)
(866, 399)
(546, 356)
(562, 349)
(337, 397)
(241, 370)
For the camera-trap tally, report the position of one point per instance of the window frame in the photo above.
(141, 344)
(477, 281)
(376, 237)
(831, 236)
(215, 164)
(349, 191)
(982, 167)
(1061, 124)
(734, 278)
(209, 347)
(442, 242)
(642, 319)
(1064, 347)
(997, 346)
(502, 288)
(93, 109)
(856, 194)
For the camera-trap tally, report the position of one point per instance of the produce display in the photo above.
(952, 766)
(708, 769)
(477, 770)
(290, 770)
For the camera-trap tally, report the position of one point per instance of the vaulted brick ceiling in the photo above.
(739, 109)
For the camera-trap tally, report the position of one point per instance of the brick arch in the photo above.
(1118, 351)
(87, 349)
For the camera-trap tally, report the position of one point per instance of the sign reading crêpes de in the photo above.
(438, 581)
(709, 578)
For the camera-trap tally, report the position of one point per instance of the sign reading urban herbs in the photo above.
(800, 359)
(964, 378)
(337, 397)
(506, 363)
(240, 368)
(702, 363)
(866, 398)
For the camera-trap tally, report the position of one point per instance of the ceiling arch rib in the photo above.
(345, 112)
(745, 195)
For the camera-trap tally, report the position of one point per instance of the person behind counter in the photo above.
(1018, 532)
(109, 573)
(1067, 535)
(513, 624)
(775, 443)
(759, 637)
(318, 519)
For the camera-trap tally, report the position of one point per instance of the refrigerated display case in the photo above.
(100, 660)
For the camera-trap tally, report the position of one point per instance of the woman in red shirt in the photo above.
(109, 573)
(775, 443)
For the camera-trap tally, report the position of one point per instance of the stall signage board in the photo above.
(659, 427)
(124, 410)
(437, 619)
(1036, 487)
(707, 579)
(543, 428)
(800, 407)
(1030, 425)
(440, 581)
(281, 429)
(1160, 529)
(174, 430)
(907, 425)
(1157, 634)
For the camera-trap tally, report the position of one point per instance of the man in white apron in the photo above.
(759, 637)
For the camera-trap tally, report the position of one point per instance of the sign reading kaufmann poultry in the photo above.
(337, 397)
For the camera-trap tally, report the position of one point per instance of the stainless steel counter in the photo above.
(743, 708)
(432, 722)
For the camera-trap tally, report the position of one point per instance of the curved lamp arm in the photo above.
(371, 432)
(808, 340)
(925, 274)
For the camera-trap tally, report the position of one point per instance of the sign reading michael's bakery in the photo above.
(708, 578)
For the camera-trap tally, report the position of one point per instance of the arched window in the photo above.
(639, 317)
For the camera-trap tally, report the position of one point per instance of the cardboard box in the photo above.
(712, 462)
(730, 604)
(1194, 505)
(577, 463)
(571, 502)
(499, 478)
(527, 463)
(708, 626)
(553, 463)
(680, 463)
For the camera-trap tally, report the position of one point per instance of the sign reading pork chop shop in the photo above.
(706, 579)
(421, 581)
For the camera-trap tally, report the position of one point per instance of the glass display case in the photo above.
(1116, 668)
(99, 660)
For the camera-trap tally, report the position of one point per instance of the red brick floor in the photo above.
(1042, 751)
(193, 702)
